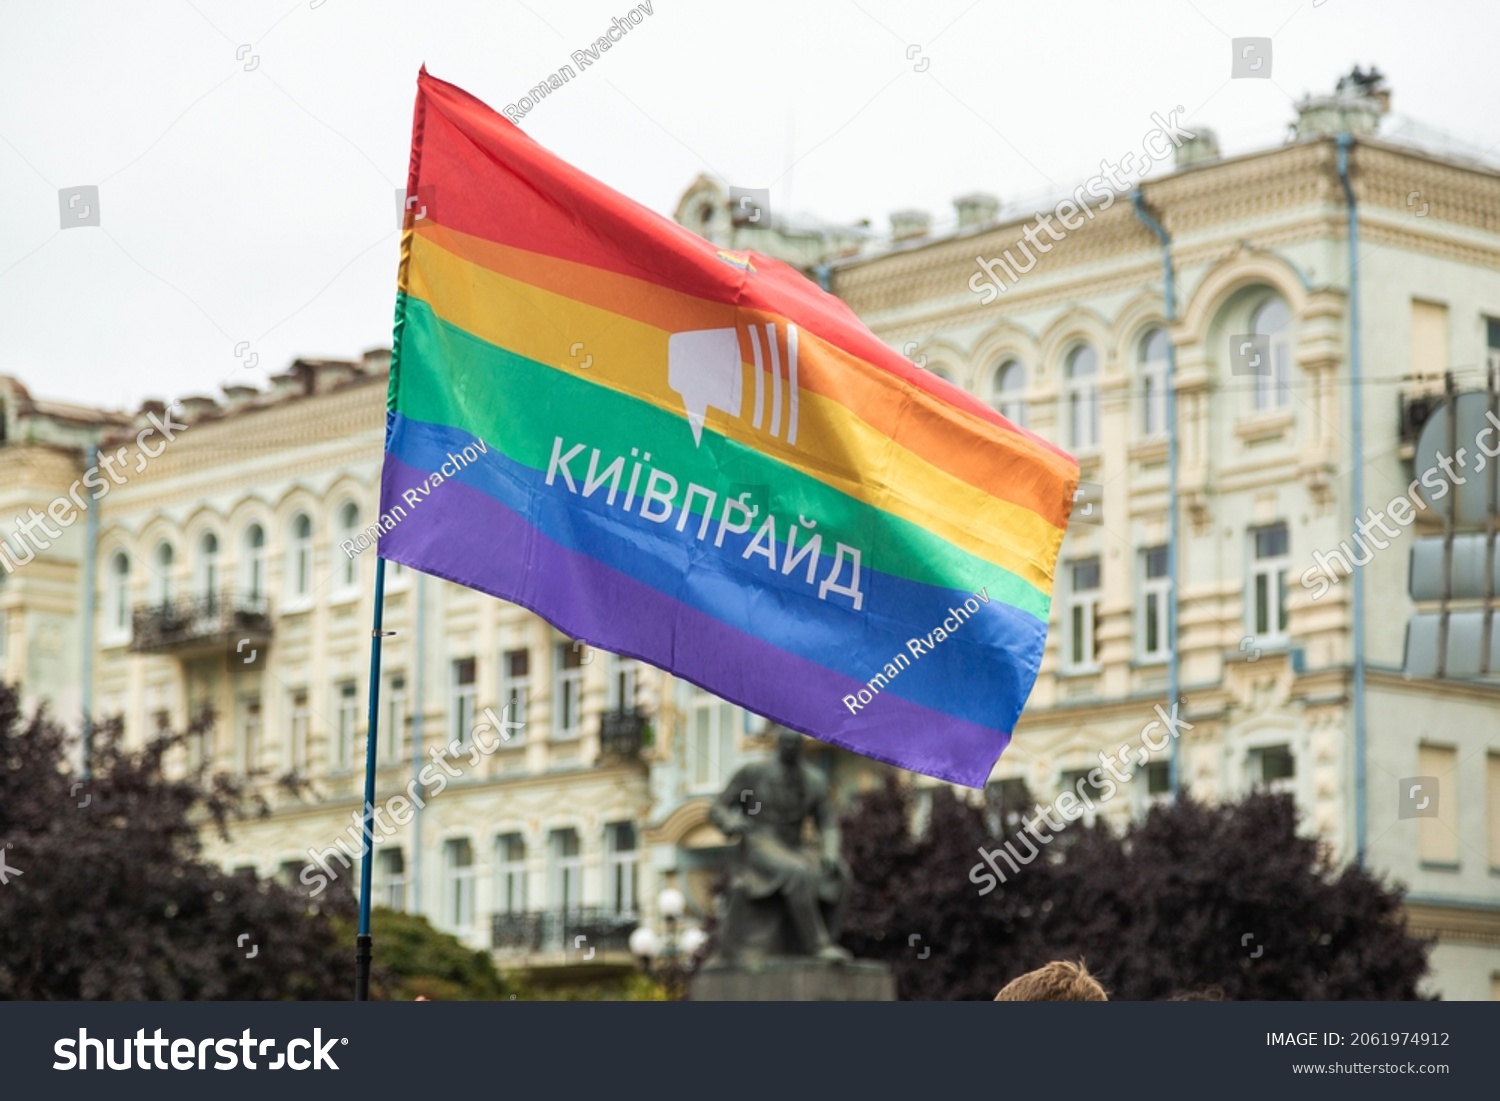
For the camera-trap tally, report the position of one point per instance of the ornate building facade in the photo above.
(1069, 336)
(233, 568)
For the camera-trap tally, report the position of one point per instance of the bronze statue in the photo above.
(783, 899)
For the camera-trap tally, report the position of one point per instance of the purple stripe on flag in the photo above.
(468, 537)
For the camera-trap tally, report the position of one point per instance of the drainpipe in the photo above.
(1169, 297)
(1357, 491)
(90, 547)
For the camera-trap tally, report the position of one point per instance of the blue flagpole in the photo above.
(364, 944)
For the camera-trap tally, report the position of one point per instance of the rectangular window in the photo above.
(390, 879)
(347, 726)
(622, 680)
(1154, 400)
(298, 721)
(1492, 344)
(515, 687)
(300, 552)
(567, 691)
(255, 573)
(1080, 644)
(1268, 570)
(465, 695)
(349, 567)
(1083, 412)
(1429, 338)
(1437, 837)
(1158, 778)
(1006, 804)
(393, 728)
(510, 874)
(1492, 806)
(567, 870)
(289, 875)
(250, 728)
(1273, 768)
(712, 726)
(621, 860)
(458, 885)
(1084, 792)
(1156, 591)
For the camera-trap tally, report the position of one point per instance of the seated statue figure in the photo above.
(783, 899)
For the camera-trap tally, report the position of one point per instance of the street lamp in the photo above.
(644, 944)
(671, 957)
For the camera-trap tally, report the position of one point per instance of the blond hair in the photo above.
(1059, 981)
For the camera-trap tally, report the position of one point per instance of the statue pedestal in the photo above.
(794, 979)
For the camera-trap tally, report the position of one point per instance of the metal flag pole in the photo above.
(363, 943)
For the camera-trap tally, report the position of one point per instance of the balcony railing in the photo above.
(204, 622)
(622, 734)
(556, 930)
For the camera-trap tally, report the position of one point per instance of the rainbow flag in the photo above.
(698, 458)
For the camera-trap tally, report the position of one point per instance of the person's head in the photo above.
(1059, 981)
(788, 746)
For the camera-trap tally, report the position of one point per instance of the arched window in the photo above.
(1083, 398)
(1273, 384)
(1009, 396)
(208, 566)
(299, 556)
(348, 528)
(161, 573)
(942, 373)
(1153, 372)
(253, 563)
(117, 595)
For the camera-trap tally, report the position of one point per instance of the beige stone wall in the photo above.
(311, 454)
(1266, 225)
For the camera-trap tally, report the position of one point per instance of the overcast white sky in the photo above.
(260, 205)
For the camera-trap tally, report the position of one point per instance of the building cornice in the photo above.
(1206, 210)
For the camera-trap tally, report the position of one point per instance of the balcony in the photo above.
(1413, 409)
(554, 932)
(201, 624)
(623, 734)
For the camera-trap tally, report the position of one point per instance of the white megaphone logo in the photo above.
(704, 366)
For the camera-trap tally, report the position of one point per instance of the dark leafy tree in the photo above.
(112, 899)
(1193, 897)
(413, 959)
